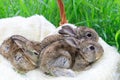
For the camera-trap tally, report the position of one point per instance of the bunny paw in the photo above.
(64, 72)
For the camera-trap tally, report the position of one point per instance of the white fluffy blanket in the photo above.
(36, 28)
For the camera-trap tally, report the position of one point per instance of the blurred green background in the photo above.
(102, 15)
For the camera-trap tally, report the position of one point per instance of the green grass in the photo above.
(102, 15)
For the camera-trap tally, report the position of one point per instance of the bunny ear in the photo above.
(19, 40)
(72, 42)
(67, 30)
(19, 37)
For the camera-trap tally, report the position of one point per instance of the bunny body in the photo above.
(55, 57)
(22, 53)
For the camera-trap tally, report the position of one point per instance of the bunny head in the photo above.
(88, 52)
(81, 33)
(31, 49)
(85, 33)
(91, 51)
(22, 53)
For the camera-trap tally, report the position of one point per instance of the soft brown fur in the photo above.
(22, 53)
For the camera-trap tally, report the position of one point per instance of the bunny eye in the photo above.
(92, 47)
(36, 53)
(88, 34)
(6, 48)
(33, 52)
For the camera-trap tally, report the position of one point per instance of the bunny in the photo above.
(81, 33)
(69, 53)
(22, 53)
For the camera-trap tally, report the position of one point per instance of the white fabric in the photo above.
(36, 28)
(33, 28)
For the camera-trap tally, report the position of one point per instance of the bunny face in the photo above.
(91, 51)
(85, 33)
(87, 52)
(80, 33)
(30, 49)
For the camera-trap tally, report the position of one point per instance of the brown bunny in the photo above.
(22, 53)
(81, 33)
(61, 56)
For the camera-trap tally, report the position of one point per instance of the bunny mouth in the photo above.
(90, 62)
